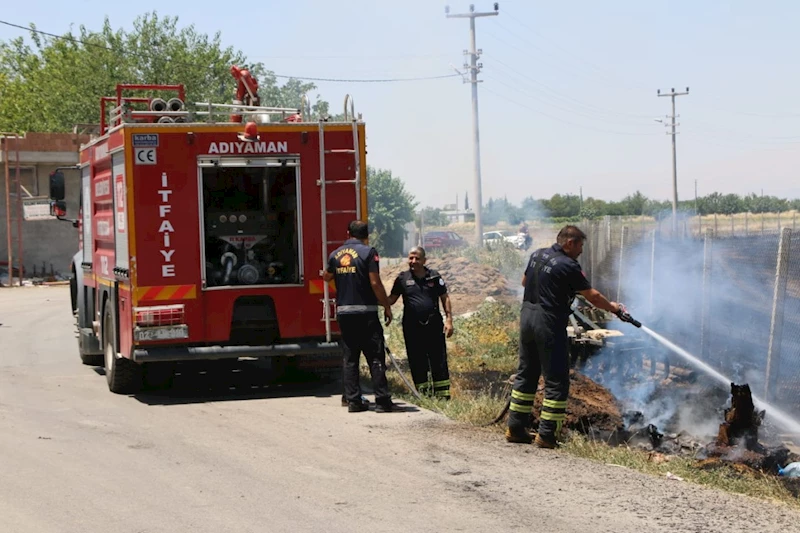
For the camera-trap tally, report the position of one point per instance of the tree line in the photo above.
(571, 206)
(50, 84)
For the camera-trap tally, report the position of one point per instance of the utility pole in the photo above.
(672, 94)
(474, 67)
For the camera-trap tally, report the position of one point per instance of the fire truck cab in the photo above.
(204, 230)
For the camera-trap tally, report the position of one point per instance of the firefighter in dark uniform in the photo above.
(552, 278)
(424, 330)
(359, 291)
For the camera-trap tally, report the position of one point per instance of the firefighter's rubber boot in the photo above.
(358, 407)
(545, 443)
(518, 435)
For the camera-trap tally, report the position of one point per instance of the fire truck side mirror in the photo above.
(57, 192)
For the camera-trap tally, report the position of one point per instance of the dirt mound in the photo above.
(591, 408)
(590, 405)
(468, 283)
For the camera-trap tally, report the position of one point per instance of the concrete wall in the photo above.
(44, 242)
(411, 239)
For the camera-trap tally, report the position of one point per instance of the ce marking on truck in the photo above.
(145, 156)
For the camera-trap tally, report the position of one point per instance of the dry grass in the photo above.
(722, 476)
(483, 354)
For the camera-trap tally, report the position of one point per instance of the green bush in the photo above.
(492, 332)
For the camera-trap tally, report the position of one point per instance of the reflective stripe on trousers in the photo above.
(352, 309)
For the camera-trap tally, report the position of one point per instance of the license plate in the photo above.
(158, 333)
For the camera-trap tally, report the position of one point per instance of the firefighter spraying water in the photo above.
(199, 238)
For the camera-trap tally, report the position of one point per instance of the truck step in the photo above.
(341, 151)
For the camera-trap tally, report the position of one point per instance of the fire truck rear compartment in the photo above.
(250, 223)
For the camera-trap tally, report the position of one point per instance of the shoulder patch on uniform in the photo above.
(377, 257)
(441, 282)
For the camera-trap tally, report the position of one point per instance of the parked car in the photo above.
(443, 239)
(517, 240)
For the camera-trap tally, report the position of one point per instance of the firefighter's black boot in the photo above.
(358, 406)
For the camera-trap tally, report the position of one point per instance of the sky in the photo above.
(568, 99)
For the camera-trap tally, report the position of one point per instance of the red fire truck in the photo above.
(204, 230)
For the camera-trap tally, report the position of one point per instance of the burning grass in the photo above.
(483, 355)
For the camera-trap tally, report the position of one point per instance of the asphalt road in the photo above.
(238, 454)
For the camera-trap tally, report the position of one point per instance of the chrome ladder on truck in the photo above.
(323, 183)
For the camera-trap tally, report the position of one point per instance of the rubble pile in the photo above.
(467, 282)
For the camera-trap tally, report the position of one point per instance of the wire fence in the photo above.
(725, 288)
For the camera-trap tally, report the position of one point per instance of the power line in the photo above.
(385, 80)
(568, 100)
(565, 109)
(545, 57)
(568, 122)
(600, 71)
(282, 76)
(356, 58)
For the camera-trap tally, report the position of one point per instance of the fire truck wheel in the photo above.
(123, 375)
(73, 294)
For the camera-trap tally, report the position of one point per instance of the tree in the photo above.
(566, 205)
(390, 207)
(501, 209)
(635, 204)
(433, 216)
(57, 82)
(532, 208)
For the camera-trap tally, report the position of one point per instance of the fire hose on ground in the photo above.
(402, 376)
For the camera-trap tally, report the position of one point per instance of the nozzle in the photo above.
(625, 317)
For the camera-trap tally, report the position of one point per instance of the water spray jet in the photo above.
(783, 419)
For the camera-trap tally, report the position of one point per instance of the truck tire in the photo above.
(123, 375)
(73, 293)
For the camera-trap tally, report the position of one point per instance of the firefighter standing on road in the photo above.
(423, 329)
(359, 291)
(552, 278)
